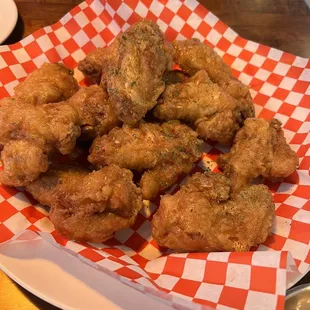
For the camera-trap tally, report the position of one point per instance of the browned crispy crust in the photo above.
(202, 216)
(52, 82)
(162, 152)
(259, 149)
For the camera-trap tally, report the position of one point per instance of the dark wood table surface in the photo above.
(283, 24)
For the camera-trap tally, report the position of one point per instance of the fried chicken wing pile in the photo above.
(163, 153)
(132, 69)
(202, 216)
(96, 112)
(89, 206)
(29, 134)
(212, 112)
(50, 83)
(142, 120)
(259, 149)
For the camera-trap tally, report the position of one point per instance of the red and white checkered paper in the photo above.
(280, 86)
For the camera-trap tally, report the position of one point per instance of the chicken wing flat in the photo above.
(204, 105)
(51, 83)
(133, 68)
(202, 216)
(96, 112)
(43, 129)
(193, 56)
(89, 206)
(162, 152)
(259, 149)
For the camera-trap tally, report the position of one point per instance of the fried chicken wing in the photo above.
(259, 149)
(204, 105)
(202, 216)
(89, 206)
(41, 129)
(193, 56)
(96, 112)
(51, 83)
(133, 68)
(162, 152)
(23, 162)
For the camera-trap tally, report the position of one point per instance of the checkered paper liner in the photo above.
(280, 87)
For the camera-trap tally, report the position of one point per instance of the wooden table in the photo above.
(272, 22)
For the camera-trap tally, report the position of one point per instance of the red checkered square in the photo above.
(280, 86)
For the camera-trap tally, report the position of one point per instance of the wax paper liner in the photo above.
(280, 86)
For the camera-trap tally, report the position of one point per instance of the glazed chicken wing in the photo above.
(30, 133)
(51, 83)
(88, 206)
(96, 112)
(133, 68)
(162, 152)
(202, 216)
(204, 105)
(259, 149)
(193, 56)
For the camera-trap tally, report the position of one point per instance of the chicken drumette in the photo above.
(50, 83)
(162, 152)
(211, 111)
(88, 206)
(202, 216)
(259, 149)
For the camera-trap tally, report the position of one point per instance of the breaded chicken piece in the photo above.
(259, 149)
(43, 129)
(92, 64)
(88, 206)
(52, 82)
(59, 176)
(96, 112)
(133, 68)
(23, 162)
(162, 152)
(204, 105)
(202, 216)
(193, 56)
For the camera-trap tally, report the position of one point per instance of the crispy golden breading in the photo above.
(259, 149)
(59, 176)
(50, 83)
(202, 216)
(89, 206)
(23, 162)
(92, 64)
(193, 56)
(47, 128)
(133, 68)
(162, 152)
(96, 112)
(204, 105)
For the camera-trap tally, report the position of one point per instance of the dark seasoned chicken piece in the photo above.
(162, 152)
(88, 206)
(133, 68)
(259, 149)
(41, 129)
(193, 56)
(202, 216)
(97, 114)
(204, 105)
(51, 83)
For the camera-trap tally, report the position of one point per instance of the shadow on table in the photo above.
(17, 33)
